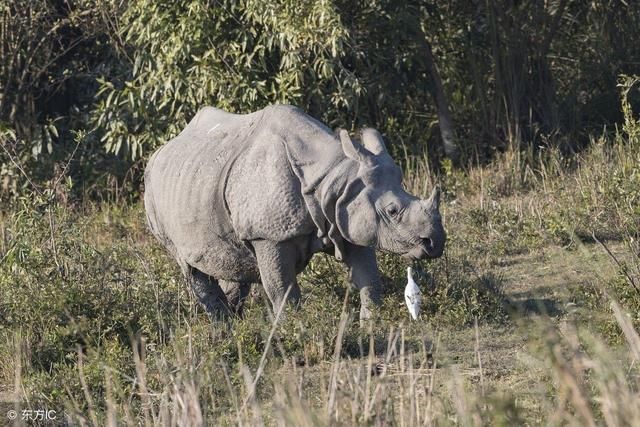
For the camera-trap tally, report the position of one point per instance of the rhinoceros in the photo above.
(247, 198)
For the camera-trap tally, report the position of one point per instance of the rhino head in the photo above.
(376, 211)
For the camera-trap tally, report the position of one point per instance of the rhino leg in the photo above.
(364, 275)
(236, 294)
(209, 293)
(277, 265)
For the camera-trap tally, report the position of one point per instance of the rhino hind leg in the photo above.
(236, 294)
(209, 294)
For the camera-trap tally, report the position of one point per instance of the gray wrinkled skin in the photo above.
(241, 199)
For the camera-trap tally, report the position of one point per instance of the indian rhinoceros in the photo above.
(241, 199)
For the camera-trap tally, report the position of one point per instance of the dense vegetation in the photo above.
(525, 112)
(98, 78)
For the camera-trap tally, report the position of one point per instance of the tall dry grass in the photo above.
(592, 384)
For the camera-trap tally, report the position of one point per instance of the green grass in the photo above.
(520, 322)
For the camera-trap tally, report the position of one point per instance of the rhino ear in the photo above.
(355, 151)
(372, 141)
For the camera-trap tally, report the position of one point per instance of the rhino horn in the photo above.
(433, 202)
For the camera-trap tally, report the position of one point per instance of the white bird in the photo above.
(412, 295)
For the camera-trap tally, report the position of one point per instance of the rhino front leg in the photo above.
(236, 293)
(209, 293)
(364, 275)
(277, 265)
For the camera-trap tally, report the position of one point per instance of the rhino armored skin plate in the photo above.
(238, 199)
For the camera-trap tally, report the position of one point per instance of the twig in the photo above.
(35, 187)
(633, 339)
(478, 355)
(85, 389)
(66, 166)
(344, 318)
(54, 247)
(428, 418)
(234, 400)
(622, 267)
(266, 349)
(49, 214)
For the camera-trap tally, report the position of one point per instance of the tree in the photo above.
(447, 128)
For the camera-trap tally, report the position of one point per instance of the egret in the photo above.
(412, 295)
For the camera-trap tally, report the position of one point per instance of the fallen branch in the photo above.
(620, 265)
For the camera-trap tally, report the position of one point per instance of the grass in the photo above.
(531, 317)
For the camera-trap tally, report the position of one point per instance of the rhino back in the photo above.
(227, 179)
(263, 193)
(272, 183)
(185, 182)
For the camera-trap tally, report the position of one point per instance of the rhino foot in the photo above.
(369, 301)
(209, 294)
(236, 294)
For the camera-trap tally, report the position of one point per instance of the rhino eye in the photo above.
(392, 210)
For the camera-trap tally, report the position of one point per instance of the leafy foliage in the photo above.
(239, 56)
(130, 74)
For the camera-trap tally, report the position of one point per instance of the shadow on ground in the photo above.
(541, 306)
